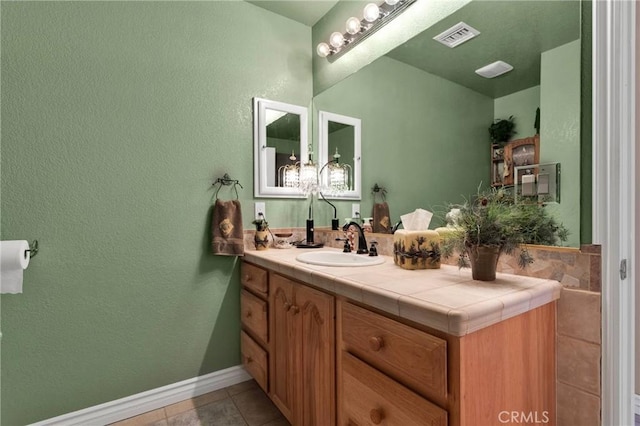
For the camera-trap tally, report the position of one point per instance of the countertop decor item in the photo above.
(261, 237)
(491, 224)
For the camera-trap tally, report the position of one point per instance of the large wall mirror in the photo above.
(339, 147)
(425, 126)
(280, 136)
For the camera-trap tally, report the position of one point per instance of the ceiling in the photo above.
(515, 31)
(307, 12)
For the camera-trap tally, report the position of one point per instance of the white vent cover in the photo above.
(457, 35)
(495, 69)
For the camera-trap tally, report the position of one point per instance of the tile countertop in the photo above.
(446, 299)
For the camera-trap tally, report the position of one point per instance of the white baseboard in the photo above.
(637, 405)
(153, 399)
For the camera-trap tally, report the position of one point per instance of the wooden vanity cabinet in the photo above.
(302, 367)
(477, 379)
(254, 337)
(326, 360)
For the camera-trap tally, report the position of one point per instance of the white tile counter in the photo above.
(446, 299)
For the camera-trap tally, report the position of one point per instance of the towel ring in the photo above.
(379, 190)
(226, 181)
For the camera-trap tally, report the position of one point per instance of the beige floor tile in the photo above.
(256, 408)
(278, 422)
(220, 413)
(241, 387)
(150, 418)
(199, 401)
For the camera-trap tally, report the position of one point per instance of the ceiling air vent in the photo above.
(495, 69)
(457, 35)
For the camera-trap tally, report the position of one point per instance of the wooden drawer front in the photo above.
(370, 398)
(254, 278)
(410, 356)
(254, 315)
(254, 359)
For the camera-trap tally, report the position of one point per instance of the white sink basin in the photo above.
(332, 258)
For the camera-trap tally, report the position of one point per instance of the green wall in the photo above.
(522, 106)
(117, 117)
(423, 137)
(560, 128)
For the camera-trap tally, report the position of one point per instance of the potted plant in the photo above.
(501, 130)
(491, 224)
(261, 237)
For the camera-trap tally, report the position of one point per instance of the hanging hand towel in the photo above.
(381, 221)
(226, 229)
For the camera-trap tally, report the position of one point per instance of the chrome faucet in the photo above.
(362, 241)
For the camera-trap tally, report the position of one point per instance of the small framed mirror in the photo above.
(339, 155)
(280, 139)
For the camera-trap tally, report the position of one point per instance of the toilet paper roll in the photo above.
(14, 258)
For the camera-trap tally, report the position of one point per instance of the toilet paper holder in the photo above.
(33, 249)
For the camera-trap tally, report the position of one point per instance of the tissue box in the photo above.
(416, 249)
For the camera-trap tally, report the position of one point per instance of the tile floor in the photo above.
(244, 404)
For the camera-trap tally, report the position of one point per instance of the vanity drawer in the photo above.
(254, 359)
(255, 279)
(370, 397)
(253, 311)
(410, 356)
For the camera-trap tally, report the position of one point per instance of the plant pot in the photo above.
(484, 262)
(261, 240)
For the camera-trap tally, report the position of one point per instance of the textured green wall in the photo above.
(560, 128)
(522, 106)
(423, 137)
(116, 119)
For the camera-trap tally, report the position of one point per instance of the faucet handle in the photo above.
(373, 251)
(347, 247)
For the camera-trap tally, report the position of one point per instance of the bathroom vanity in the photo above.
(384, 345)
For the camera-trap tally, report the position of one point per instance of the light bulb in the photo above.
(336, 39)
(353, 25)
(323, 50)
(391, 2)
(371, 12)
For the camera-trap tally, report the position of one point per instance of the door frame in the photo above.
(613, 188)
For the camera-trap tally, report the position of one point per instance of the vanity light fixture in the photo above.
(340, 179)
(289, 174)
(340, 175)
(308, 176)
(375, 16)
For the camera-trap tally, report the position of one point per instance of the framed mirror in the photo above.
(280, 139)
(340, 155)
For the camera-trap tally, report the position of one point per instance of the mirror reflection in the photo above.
(339, 149)
(280, 140)
(426, 112)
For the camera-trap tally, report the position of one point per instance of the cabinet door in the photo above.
(316, 311)
(284, 360)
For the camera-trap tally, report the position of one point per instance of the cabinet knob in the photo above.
(295, 309)
(247, 278)
(249, 360)
(376, 415)
(376, 343)
(248, 314)
(287, 306)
